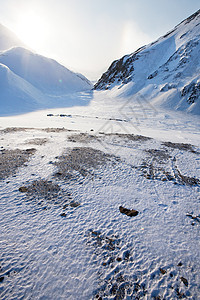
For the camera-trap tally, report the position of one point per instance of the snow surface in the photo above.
(93, 251)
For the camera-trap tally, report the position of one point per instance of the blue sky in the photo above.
(87, 35)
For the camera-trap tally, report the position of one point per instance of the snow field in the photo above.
(95, 251)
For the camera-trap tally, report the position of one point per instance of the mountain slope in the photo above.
(8, 39)
(44, 73)
(16, 94)
(165, 72)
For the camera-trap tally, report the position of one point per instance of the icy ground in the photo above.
(64, 173)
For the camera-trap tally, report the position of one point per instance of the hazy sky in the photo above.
(87, 35)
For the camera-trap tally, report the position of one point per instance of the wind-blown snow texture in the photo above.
(166, 72)
(64, 173)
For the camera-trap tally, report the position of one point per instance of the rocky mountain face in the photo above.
(166, 72)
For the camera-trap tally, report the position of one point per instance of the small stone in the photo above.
(164, 179)
(180, 264)
(74, 204)
(58, 174)
(163, 271)
(31, 151)
(95, 233)
(184, 280)
(119, 259)
(65, 206)
(23, 189)
(1, 278)
(104, 264)
(63, 215)
(128, 212)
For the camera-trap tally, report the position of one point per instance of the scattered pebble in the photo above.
(23, 189)
(63, 215)
(163, 271)
(119, 259)
(184, 280)
(74, 204)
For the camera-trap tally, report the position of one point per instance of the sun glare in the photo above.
(31, 29)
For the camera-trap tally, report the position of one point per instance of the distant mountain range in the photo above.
(165, 72)
(29, 80)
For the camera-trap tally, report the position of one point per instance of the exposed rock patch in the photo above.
(80, 161)
(180, 146)
(11, 160)
(45, 193)
(37, 141)
(82, 138)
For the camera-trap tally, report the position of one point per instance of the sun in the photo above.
(32, 29)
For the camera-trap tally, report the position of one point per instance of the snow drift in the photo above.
(166, 72)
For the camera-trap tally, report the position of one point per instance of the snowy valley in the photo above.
(100, 188)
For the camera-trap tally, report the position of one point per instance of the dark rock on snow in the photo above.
(128, 212)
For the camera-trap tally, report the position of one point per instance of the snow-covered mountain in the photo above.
(44, 73)
(165, 72)
(30, 81)
(16, 94)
